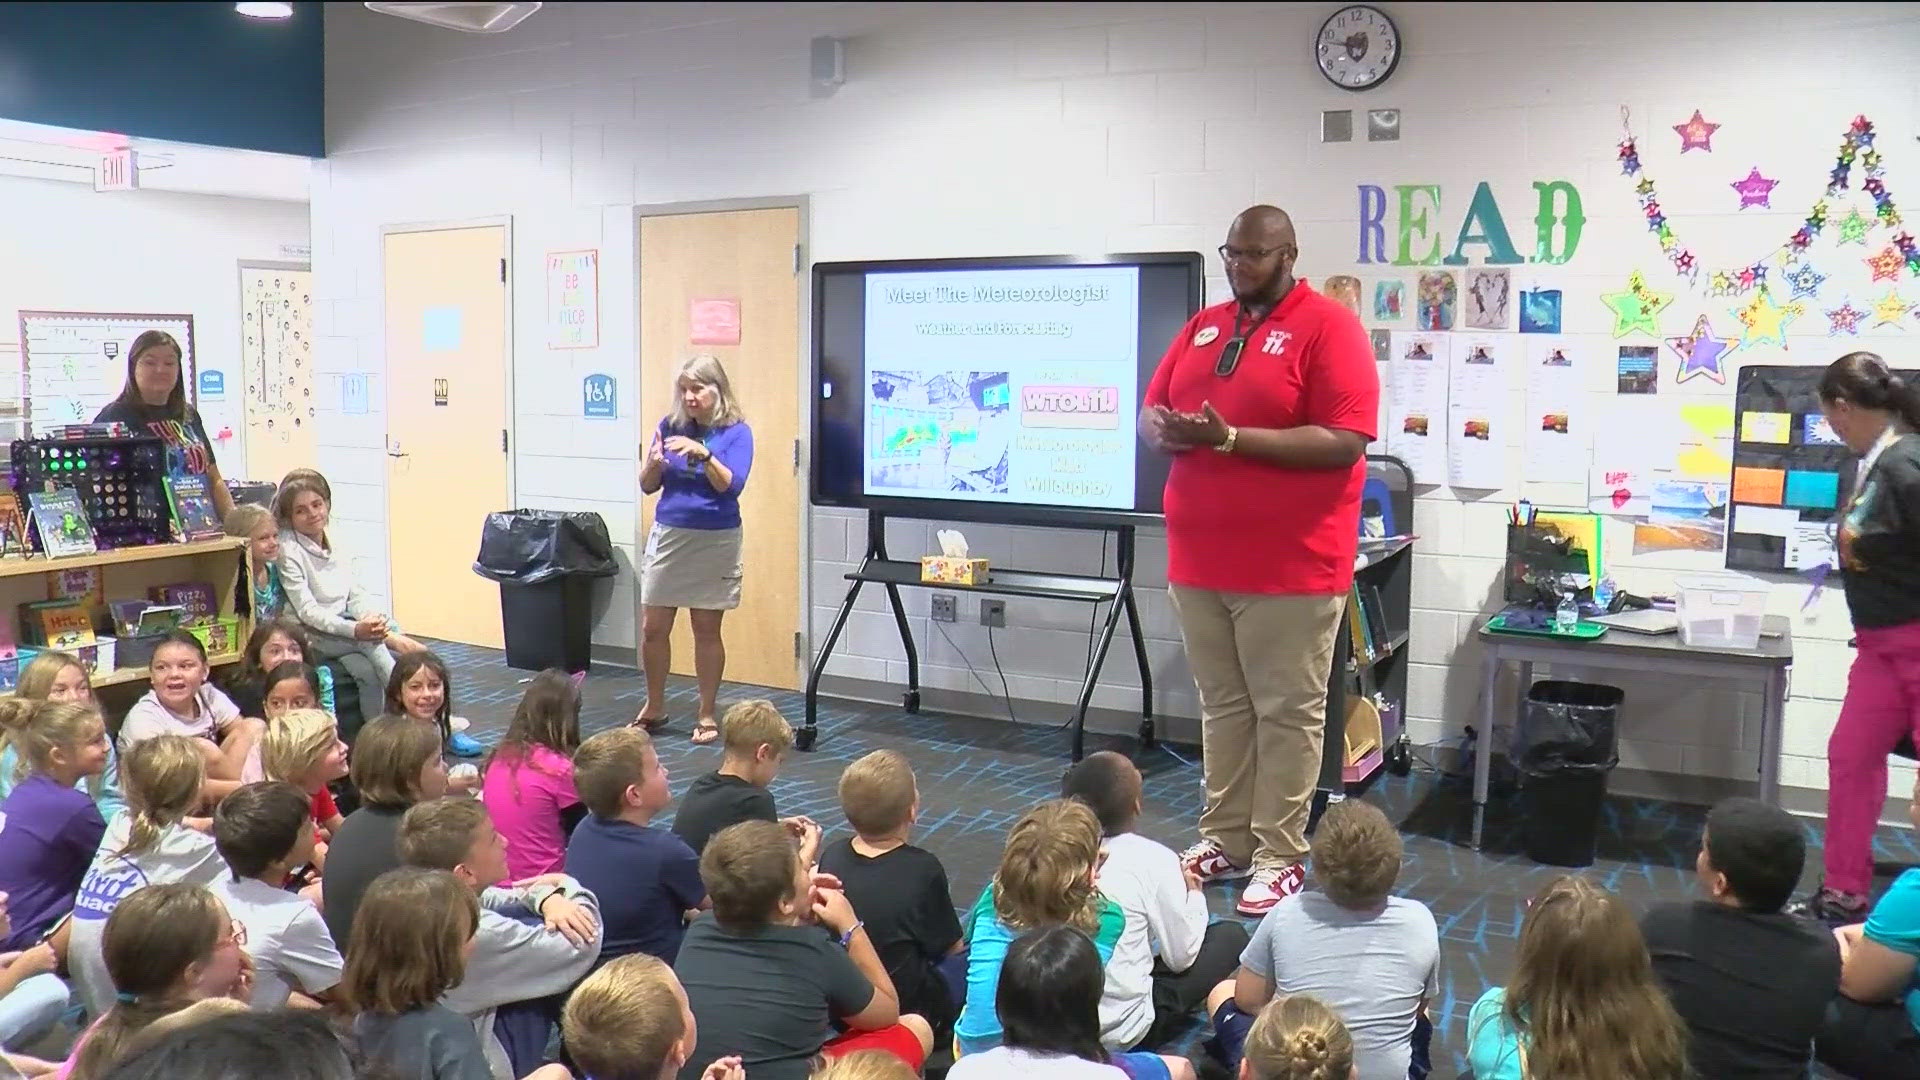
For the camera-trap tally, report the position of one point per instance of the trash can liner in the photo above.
(1568, 728)
(528, 547)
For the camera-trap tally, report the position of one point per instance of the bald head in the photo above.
(1259, 252)
(1110, 785)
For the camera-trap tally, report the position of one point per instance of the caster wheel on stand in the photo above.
(910, 701)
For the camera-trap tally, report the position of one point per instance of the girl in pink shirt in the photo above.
(527, 783)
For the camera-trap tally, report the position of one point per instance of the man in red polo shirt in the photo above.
(1267, 403)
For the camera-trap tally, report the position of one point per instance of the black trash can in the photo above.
(545, 562)
(1565, 745)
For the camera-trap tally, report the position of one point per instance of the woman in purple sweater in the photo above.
(698, 459)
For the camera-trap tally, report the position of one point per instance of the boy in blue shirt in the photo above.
(649, 876)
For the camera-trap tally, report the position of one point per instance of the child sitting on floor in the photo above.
(780, 961)
(630, 1021)
(1872, 1029)
(527, 782)
(422, 688)
(58, 676)
(149, 843)
(899, 890)
(1298, 1038)
(647, 879)
(1169, 957)
(272, 643)
(396, 765)
(32, 999)
(410, 945)
(533, 941)
(181, 703)
(303, 748)
(1371, 956)
(756, 739)
(265, 832)
(48, 829)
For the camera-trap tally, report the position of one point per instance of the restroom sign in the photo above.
(598, 400)
(440, 392)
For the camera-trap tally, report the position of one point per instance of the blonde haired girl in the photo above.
(699, 458)
(303, 748)
(261, 593)
(59, 676)
(1583, 1003)
(149, 843)
(51, 828)
(1298, 1038)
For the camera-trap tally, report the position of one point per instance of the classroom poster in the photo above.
(573, 299)
(1417, 403)
(1477, 411)
(1557, 433)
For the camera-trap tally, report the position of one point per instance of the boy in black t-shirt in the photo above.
(1751, 982)
(755, 740)
(779, 960)
(900, 890)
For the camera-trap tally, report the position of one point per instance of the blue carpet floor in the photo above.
(978, 776)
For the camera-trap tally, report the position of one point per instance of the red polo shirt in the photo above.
(1239, 525)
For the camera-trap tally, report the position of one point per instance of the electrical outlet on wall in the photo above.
(945, 607)
(993, 613)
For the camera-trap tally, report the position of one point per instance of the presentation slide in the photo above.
(1015, 385)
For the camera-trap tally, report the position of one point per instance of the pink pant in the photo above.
(1883, 704)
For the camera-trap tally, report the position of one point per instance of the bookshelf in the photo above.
(1370, 655)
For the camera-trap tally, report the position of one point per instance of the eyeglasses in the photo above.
(1229, 253)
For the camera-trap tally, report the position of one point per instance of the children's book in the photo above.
(57, 624)
(194, 517)
(196, 597)
(61, 523)
(82, 583)
(13, 526)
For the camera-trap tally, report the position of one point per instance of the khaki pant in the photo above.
(1261, 664)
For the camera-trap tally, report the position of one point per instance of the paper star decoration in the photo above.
(1701, 352)
(1636, 308)
(1755, 190)
(1844, 319)
(1765, 320)
(1805, 280)
(1891, 309)
(1886, 265)
(1696, 134)
(1853, 227)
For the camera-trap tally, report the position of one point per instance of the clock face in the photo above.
(1357, 48)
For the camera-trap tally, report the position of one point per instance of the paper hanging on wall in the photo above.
(1623, 492)
(1703, 448)
(1477, 409)
(353, 393)
(1438, 294)
(1766, 427)
(1701, 352)
(1636, 308)
(715, 321)
(1684, 515)
(1382, 341)
(1345, 289)
(1488, 289)
(441, 329)
(1637, 371)
(573, 299)
(1540, 311)
(1812, 490)
(1811, 545)
(1765, 320)
(1764, 487)
(1389, 301)
(1417, 404)
(1819, 432)
(1765, 521)
(1557, 434)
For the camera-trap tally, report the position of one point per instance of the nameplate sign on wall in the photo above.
(573, 299)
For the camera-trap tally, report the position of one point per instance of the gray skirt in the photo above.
(691, 568)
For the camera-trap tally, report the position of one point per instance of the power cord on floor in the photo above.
(975, 672)
(1006, 692)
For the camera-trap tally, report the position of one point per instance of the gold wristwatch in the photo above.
(1226, 444)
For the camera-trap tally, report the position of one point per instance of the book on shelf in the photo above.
(195, 597)
(1358, 635)
(83, 583)
(194, 517)
(57, 624)
(140, 618)
(61, 522)
(1374, 608)
(13, 526)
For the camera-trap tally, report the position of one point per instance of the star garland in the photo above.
(1855, 146)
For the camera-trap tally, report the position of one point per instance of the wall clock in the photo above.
(1357, 47)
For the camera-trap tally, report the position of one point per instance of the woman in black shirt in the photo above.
(154, 400)
(1876, 413)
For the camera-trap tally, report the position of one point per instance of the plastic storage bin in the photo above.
(98, 658)
(1721, 612)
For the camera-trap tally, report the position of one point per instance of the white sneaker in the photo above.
(1208, 861)
(1269, 886)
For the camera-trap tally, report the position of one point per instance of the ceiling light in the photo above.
(471, 18)
(265, 10)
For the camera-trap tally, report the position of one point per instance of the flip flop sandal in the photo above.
(650, 724)
(706, 733)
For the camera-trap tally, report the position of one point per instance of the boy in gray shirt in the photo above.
(1370, 956)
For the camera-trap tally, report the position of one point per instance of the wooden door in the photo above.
(447, 418)
(276, 368)
(746, 256)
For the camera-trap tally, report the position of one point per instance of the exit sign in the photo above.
(119, 170)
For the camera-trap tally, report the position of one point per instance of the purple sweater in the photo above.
(687, 501)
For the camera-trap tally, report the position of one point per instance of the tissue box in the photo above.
(950, 570)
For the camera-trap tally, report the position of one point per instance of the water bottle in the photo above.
(1566, 617)
(1603, 593)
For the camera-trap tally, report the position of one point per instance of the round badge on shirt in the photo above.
(1205, 336)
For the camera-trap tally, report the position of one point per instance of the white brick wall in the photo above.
(1022, 128)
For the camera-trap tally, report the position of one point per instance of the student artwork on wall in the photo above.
(1702, 353)
(1638, 371)
(1416, 392)
(1488, 289)
(276, 362)
(1540, 311)
(1438, 294)
(573, 299)
(1344, 288)
(1791, 476)
(1389, 301)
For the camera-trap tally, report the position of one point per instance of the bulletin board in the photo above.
(72, 363)
(1790, 474)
